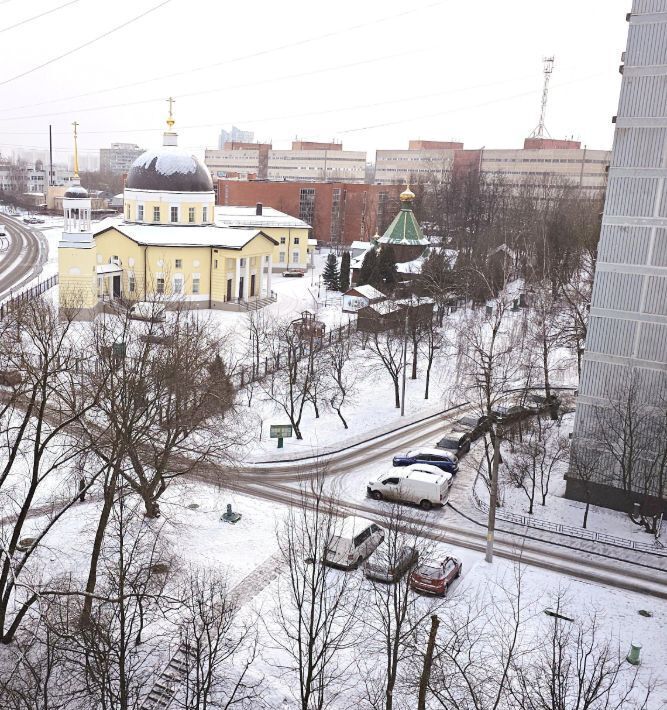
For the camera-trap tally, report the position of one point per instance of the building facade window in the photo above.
(174, 214)
(131, 283)
(196, 282)
(191, 215)
(140, 213)
(178, 284)
(178, 263)
(156, 214)
(282, 240)
(204, 214)
(307, 204)
(128, 212)
(281, 257)
(295, 256)
(215, 263)
(159, 284)
(296, 240)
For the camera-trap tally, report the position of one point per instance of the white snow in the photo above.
(168, 161)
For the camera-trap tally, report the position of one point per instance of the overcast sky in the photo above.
(371, 73)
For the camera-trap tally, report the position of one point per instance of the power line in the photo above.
(463, 108)
(203, 92)
(369, 127)
(85, 44)
(36, 17)
(233, 60)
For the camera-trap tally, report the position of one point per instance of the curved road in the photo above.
(24, 257)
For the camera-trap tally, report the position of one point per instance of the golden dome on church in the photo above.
(407, 195)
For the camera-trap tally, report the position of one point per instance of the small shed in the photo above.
(390, 315)
(361, 296)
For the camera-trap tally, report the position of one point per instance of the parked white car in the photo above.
(355, 540)
(147, 310)
(423, 484)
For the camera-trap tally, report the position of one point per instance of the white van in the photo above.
(423, 484)
(146, 310)
(355, 540)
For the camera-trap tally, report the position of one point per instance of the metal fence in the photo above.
(529, 521)
(27, 295)
(247, 374)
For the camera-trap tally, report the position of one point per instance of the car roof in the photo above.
(431, 451)
(353, 524)
(426, 472)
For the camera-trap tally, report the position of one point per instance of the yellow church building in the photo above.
(169, 244)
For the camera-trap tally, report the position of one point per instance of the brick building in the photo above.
(339, 212)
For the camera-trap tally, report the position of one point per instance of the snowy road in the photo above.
(24, 257)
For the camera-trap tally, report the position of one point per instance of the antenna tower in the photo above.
(541, 128)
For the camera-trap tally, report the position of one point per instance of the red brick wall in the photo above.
(358, 203)
(547, 143)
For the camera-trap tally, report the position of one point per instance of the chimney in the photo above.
(258, 209)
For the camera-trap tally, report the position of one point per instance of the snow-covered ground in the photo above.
(197, 536)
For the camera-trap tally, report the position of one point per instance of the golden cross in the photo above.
(76, 150)
(170, 121)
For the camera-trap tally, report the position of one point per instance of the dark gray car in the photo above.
(379, 567)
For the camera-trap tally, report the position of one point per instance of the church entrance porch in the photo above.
(109, 282)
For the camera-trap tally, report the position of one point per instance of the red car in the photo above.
(435, 575)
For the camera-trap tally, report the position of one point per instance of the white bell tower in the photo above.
(77, 207)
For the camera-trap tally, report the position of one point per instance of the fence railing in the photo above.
(247, 374)
(529, 521)
(28, 294)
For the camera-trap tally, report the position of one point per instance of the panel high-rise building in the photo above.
(236, 135)
(625, 364)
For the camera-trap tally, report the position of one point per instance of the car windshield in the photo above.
(431, 570)
(449, 442)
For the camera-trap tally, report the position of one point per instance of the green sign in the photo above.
(280, 431)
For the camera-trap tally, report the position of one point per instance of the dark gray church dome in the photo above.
(169, 170)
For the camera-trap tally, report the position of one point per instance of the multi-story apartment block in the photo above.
(119, 157)
(624, 370)
(539, 157)
(422, 160)
(305, 161)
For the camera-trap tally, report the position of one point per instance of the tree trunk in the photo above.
(397, 393)
(428, 662)
(341, 418)
(413, 376)
(588, 505)
(428, 378)
(109, 493)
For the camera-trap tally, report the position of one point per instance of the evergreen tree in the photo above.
(330, 275)
(345, 271)
(368, 273)
(386, 265)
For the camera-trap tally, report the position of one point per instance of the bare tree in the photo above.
(38, 412)
(387, 352)
(314, 622)
(167, 403)
(576, 668)
(630, 430)
(219, 650)
(288, 386)
(342, 374)
(393, 615)
(478, 647)
(432, 344)
(534, 459)
(588, 471)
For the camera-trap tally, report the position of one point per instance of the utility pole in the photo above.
(493, 497)
(405, 359)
